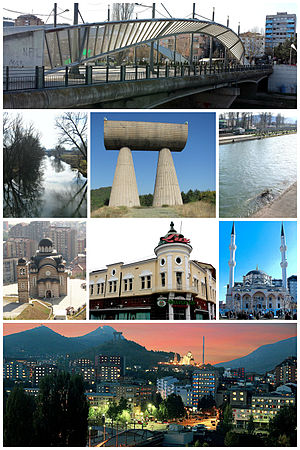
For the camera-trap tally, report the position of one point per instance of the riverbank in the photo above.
(248, 137)
(283, 206)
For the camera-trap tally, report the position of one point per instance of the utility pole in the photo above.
(192, 38)
(76, 9)
(225, 50)
(152, 44)
(211, 41)
(55, 15)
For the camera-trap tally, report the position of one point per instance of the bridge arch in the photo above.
(79, 44)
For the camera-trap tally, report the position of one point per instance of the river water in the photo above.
(59, 192)
(247, 169)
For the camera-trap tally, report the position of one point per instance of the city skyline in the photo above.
(195, 165)
(258, 244)
(221, 344)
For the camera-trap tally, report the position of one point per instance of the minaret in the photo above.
(231, 262)
(284, 262)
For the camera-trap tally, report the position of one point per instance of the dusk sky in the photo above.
(258, 244)
(223, 342)
(195, 165)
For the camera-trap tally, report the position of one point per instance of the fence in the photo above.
(15, 79)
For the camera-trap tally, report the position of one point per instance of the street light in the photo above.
(294, 48)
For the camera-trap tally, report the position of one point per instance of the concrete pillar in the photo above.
(124, 191)
(166, 191)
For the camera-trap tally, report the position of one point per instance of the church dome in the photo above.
(21, 261)
(46, 242)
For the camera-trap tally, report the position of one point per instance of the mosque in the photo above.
(44, 276)
(258, 292)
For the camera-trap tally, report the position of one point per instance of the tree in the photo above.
(73, 131)
(284, 424)
(283, 52)
(62, 411)
(251, 425)
(17, 426)
(122, 11)
(206, 403)
(22, 163)
(226, 422)
(175, 406)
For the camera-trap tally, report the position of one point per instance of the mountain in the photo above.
(264, 358)
(44, 341)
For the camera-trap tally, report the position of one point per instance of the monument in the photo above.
(128, 136)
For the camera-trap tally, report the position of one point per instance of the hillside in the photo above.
(265, 357)
(42, 341)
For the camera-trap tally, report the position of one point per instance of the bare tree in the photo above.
(73, 131)
(122, 11)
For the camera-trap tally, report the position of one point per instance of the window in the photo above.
(92, 289)
(146, 282)
(196, 283)
(178, 260)
(163, 279)
(128, 284)
(112, 286)
(100, 288)
(179, 279)
(162, 261)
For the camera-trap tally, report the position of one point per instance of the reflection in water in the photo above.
(253, 173)
(59, 191)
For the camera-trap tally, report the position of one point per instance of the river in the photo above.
(247, 169)
(59, 192)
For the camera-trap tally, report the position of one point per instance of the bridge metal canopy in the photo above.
(73, 45)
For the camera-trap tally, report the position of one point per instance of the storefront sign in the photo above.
(161, 303)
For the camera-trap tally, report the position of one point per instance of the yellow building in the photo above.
(169, 286)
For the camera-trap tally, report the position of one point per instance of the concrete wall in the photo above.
(24, 49)
(283, 79)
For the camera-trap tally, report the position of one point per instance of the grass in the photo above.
(34, 311)
(192, 209)
(80, 316)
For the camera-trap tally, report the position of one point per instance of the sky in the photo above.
(249, 15)
(130, 240)
(258, 243)
(44, 123)
(223, 342)
(195, 165)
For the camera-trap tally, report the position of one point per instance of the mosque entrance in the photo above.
(48, 294)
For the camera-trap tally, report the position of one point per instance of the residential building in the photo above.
(205, 383)
(279, 27)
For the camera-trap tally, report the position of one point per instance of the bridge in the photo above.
(55, 68)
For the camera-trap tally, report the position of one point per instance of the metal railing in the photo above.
(16, 79)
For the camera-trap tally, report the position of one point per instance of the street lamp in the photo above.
(294, 48)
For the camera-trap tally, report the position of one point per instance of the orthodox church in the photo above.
(44, 276)
(258, 292)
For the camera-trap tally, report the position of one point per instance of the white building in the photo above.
(166, 386)
(254, 44)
